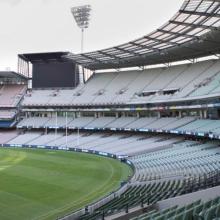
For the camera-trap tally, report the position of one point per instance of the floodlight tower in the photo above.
(81, 15)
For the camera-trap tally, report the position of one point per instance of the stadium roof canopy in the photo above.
(43, 57)
(192, 33)
(11, 74)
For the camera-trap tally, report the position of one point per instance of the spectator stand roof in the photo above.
(43, 57)
(11, 75)
(192, 33)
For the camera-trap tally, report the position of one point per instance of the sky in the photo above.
(32, 26)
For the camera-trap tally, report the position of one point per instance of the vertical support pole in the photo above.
(78, 137)
(18, 67)
(205, 114)
(201, 114)
(66, 130)
(56, 130)
(158, 114)
(76, 75)
(28, 70)
(83, 72)
(82, 40)
(23, 67)
(82, 50)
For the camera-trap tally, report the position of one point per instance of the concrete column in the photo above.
(205, 114)
(158, 114)
(79, 114)
(201, 114)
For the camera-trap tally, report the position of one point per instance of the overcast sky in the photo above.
(29, 26)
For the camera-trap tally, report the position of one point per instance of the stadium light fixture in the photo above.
(81, 15)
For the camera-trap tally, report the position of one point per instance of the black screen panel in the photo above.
(54, 75)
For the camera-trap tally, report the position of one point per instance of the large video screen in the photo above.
(54, 75)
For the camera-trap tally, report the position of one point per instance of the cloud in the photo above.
(17, 2)
(11, 2)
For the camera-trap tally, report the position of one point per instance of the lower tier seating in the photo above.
(154, 156)
(151, 193)
(6, 136)
(135, 195)
(187, 158)
(118, 144)
(195, 211)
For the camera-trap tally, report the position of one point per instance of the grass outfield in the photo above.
(43, 184)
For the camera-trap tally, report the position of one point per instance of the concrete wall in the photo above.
(204, 195)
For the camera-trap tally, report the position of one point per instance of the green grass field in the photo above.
(43, 184)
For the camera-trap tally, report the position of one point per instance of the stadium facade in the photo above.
(162, 118)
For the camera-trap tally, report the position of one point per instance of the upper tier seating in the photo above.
(153, 85)
(9, 114)
(11, 95)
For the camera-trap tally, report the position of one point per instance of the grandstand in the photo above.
(12, 90)
(163, 119)
(178, 83)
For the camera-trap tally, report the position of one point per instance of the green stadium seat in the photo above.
(218, 211)
(210, 213)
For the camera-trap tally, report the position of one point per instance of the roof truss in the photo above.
(190, 25)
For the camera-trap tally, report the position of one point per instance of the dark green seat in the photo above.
(170, 214)
(161, 217)
(178, 217)
(215, 201)
(144, 215)
(217, 211)
(210, 213)
(197, 210)
(206, 206)
(180, 210)
(188, 214)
